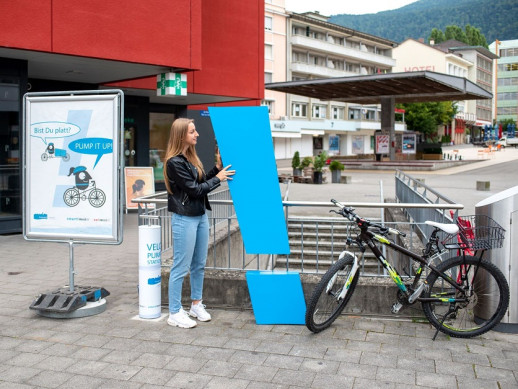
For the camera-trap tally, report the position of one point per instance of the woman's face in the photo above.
(192, 135)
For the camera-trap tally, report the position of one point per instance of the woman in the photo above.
(187, 187)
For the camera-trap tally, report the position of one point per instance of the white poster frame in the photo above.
(88, 222)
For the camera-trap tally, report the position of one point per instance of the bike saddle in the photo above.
(446, 227)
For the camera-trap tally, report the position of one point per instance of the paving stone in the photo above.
(363, 346)
(364, 383)
(118, 384)
(384, 360)
(274, 347)
(26, 359)
(84, 382)
(424, 365)
(249, 357)
(186, 364)
(436, 380)
(220, 368)
(494, 373)
(49, 379)
(19, 374)
(320, 366)
(154, 376)
(356, 370)
(256, 373)
(157, 361)
(472, 383)
(308, 352)
(326, 381)
(183, 380)
(294, 377)
(342, 355)
(121, 356)
(284, 361)
(86, 367)
(226, 383)
(399, 376)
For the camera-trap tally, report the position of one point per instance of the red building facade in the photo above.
(58, 45)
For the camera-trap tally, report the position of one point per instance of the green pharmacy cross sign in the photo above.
(171, 84)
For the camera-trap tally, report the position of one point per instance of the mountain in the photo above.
(496, 19)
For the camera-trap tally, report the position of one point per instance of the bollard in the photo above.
(483, 185)
(149, 289)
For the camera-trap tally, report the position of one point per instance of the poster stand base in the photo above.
(91, 308)
(70, 301)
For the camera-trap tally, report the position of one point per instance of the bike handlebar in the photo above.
(348, 212)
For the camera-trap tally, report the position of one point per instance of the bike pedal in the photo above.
(396, 307)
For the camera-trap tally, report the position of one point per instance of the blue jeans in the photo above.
(190, 244)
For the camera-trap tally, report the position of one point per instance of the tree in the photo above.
(437, 36)
(505, 122)
(475, 37)
(471, 36)
(425, 117)
(455, 32)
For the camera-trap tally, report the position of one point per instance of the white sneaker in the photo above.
(198, 311)
(180, 319)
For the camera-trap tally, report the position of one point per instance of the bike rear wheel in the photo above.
(486, 292)
(325, 305)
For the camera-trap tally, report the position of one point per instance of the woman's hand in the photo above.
(225, 174)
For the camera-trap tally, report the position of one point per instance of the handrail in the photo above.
(149, 199)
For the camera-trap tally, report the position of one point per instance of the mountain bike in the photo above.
(464, 296)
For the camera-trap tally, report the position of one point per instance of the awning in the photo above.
(403, 87)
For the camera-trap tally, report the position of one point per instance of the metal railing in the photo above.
(227, 249)
(415, 191)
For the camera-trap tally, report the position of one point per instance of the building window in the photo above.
(268, 77)
(338, 112)
(268, 23)
(270, 104)
(299, 110)
(268, 51)
(354, 113)
(319, 111)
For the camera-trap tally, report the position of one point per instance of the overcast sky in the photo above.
(334, 7)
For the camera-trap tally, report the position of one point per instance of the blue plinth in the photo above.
(277, 297)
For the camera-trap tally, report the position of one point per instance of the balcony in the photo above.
(319, 71)
(334, 49)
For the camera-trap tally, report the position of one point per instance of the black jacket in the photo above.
(189, 196)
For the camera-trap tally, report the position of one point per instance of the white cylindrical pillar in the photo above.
(150, 285)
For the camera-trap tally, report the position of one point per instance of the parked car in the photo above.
(506, 142)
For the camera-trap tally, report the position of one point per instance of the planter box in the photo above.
(335, 176)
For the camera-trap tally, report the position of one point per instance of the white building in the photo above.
(506, 86)
(318, 49)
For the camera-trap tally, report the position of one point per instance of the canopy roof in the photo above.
(403, 87)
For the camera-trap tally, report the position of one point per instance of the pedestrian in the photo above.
(187, 186)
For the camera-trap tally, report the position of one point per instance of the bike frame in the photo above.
(369, 237)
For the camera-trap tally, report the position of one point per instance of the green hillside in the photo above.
(496, 19)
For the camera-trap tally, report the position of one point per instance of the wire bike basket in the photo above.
(479, 232)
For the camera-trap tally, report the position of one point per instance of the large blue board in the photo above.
(245, 141)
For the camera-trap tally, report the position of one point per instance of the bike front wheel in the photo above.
(486, 297)
(97, 198)
(326, 302)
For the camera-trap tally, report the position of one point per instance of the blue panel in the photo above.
(245, 141)
(277, 297)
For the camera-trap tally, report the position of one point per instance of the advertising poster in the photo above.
(334, 144)
(382, 144)
(358, 144)
(408, 144)
(138, 182)
(72, 176)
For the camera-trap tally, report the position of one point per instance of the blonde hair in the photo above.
(176, 145)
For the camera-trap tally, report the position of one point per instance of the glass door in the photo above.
(10, 153)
